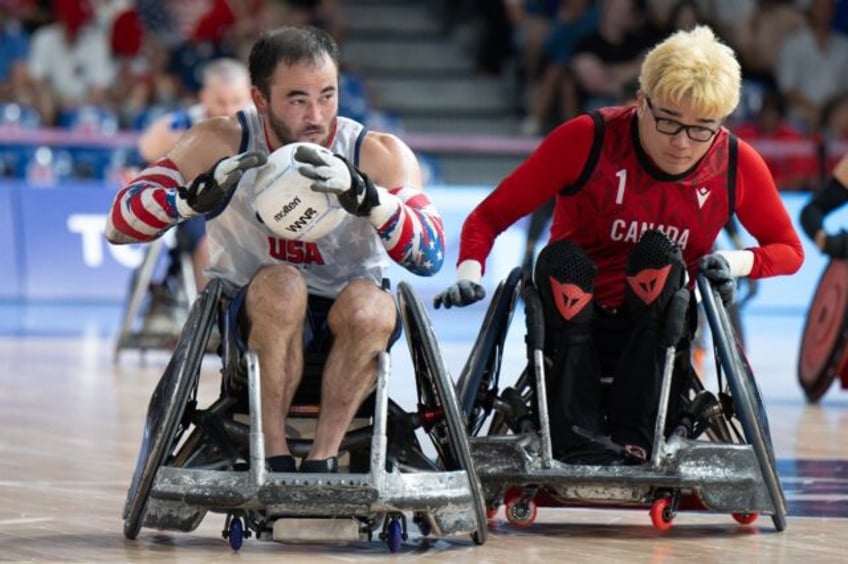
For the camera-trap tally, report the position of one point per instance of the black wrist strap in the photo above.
(829, 198)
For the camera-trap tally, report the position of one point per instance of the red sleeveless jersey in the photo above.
(608, 193)
(624, 195)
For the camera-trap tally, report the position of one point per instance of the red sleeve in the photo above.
(556, 163)
(761, 212)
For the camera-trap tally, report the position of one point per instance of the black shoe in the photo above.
(281, 463)
(324, 466)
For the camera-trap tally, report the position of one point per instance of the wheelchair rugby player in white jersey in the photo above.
(298, 312)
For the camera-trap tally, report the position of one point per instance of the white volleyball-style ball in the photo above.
(287, 205)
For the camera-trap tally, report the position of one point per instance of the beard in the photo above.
(288, 135)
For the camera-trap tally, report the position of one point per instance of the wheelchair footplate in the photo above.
(321, 507)
(691, 475)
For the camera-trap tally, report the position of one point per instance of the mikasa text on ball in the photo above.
(287, 205)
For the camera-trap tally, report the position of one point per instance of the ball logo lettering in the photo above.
(286, 209)
(286, 204)
(302, 221)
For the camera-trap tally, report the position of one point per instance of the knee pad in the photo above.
(565, 277)
(655, 271)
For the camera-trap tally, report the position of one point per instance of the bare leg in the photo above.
(361, 320)
(276, 308)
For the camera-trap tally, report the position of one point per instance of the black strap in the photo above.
(732, 165)
(594, 155)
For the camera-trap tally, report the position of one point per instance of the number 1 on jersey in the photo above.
(622, 180)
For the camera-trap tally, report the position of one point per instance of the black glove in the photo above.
(717, 270)
(461, 293)
(333, 174)
(211, 189)
(836, 246)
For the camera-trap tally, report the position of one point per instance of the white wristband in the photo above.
(184, 210)
(741, 262)
(470, 270)
(388, 206)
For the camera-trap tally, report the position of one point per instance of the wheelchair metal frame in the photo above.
(444, 496)
(734, 472)
(130, 337)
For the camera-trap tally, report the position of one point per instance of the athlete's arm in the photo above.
(151, 203)
(831, 197)
(555, 164)
(761, 212)
(159, 138)
(408, 223)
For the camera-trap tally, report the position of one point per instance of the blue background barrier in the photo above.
(10, 286)
(52, 248)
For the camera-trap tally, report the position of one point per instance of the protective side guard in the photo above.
(823, 355)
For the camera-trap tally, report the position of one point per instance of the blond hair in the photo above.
(695, 68)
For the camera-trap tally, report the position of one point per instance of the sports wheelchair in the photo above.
(712, 450)
(174, 295)
(193, 460)
(823, 354)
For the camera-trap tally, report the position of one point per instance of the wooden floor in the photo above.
(72, 419)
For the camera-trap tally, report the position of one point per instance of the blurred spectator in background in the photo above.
(790, 172)
(143, 82)
(192, 33)
(722, 15)
(840, 18)
(758, 38)
(575, 20)
(531, 21)
(495, 41)
(254, 17)
(832, 196)
(31, 13)
(606, 60)
(14, 49)
(322, 14)
(70, 62)
(225, 90)
(811, 65)
(834, 131)
(685, 15)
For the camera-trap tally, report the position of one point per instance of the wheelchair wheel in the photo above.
(437, 396)
(747, 399)
(478, 382)
(138, 287)
(821, 356)
(165, 411)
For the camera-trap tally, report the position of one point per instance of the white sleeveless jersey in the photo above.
(239, 244)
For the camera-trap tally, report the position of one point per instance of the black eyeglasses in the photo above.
(672, 127)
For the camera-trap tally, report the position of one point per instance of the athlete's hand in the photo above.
(333, 174)
(460, 293)
(210, 190)
(836, 246)
(717, 270)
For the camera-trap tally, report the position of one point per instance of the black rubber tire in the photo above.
(437, 389)
(482, 369)
(747, 399)
(168, 403)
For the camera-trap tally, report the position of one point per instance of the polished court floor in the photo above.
(72, 417)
